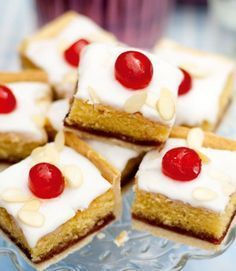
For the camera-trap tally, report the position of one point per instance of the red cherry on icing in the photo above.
(182, 164)
(7, 100)
(186, 83)
(46, 181)
(72, 54)
(133, 70)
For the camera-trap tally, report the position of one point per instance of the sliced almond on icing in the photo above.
(195, 70)
(195, 138)
(166, 105)
(93, 95)
(39, 120)
(32, 205)
(205, 159)
(73, 175)
(135, 102)
(228, 188)
(48, 154)
(14, 195)
(31, 218)
(203, 194)
(60, 141)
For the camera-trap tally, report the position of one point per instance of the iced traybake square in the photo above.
(124, 160)
(24, 98)
(206, 89)
(125, 95)
(189, 187)
(56, 49)
(55, 200)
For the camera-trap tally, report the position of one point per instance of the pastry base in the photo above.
(105, 121)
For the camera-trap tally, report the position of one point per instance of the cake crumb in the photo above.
(121, 238)
(101, 235)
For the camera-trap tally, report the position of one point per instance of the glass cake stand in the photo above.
(142, 252)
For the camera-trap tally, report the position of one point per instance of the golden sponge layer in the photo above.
(107, 121)
(198, 222)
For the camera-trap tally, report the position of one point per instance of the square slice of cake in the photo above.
(187, 187)
(206, 89)
(124, 160)
(24, 99)
(55, 200)
(125, 95)
(56, 49)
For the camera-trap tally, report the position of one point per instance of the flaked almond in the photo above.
(73, 175)
(121, 239)
(39, 120)
(93, 95)
(48, 154)
(31, 218)
(166, 105)
(205, 159)
(203, 194)
(14, 195)
(135, 102)
(32, 205)
(228, 188)
(195, 138)
(195, 70)
(60, 141)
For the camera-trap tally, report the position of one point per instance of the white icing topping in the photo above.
(96, 71)
(57, 113)
(201, 103)
(69, 202)
(21, 120)
(151, 179)
(116, 155)
(48, 53)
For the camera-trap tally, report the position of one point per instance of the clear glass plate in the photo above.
(142, 252)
